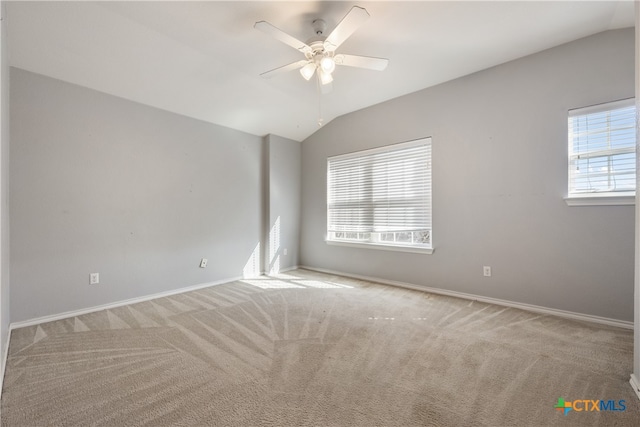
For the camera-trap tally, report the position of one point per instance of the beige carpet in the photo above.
(312, 349)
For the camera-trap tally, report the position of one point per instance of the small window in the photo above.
(381, 198)
(602, 147)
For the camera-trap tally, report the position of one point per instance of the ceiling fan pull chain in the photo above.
(318, 90)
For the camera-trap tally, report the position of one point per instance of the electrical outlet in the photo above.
(94, 278)
(285, 251)
(203, 263)
(486, 271)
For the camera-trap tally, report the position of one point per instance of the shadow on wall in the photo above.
(252, 267)
(274, 248)
(273, 279)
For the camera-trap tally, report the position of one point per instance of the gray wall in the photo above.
(4, 184)
(499, 177)
(139, 195)
(284, 187)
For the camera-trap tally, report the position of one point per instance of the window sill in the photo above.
(427, 251)
(622, 199)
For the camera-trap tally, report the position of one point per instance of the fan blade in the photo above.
(285, 68)
(346, 27)
(285, 38)
(368, 62)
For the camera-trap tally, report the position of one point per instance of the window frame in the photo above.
(598, 198)
(374, 236)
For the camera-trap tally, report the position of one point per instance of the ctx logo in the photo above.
(588, 405)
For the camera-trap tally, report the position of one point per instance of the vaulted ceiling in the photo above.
(203, 59)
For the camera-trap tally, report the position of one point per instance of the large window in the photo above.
(381, 197)
(602, 147)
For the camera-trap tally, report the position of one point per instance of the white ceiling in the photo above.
(203, 59)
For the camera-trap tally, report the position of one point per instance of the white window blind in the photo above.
(602, 146)
(381, 196)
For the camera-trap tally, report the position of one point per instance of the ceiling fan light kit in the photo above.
(328, 64)
(308, 70)
(319, 51)
(325, 78)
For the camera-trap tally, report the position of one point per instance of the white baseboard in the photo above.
(501, 302)
(522, 306)
(74, 313)
(635, 384)
(284, 270)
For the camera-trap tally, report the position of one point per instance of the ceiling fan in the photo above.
(320, 51)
